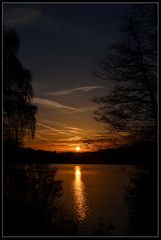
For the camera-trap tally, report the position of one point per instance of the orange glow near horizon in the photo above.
(59, 145)
(76, 140)
(55, 147)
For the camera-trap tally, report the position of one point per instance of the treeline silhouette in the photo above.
(140, 153)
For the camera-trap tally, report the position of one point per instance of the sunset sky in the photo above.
(58, 45)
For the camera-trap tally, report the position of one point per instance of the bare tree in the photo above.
(131, 69)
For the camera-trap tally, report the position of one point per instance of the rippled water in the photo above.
(80, 196)
(95, 195)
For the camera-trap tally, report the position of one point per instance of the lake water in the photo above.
(89, 199)
(95, 196)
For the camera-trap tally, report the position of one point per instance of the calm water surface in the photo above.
(95, 196)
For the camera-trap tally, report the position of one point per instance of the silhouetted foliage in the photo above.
(141, 197)
(130, 68)
(18, 110)
(31, 197)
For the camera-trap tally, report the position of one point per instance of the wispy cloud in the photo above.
(38, 136)
(74, 128)
(57, 105)
(63, 125)
(58, 131)
(53, 131)
(21, 16)
(72, 139)
(48, 127)
(72, 90)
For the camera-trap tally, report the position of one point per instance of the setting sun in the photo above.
(77, 149)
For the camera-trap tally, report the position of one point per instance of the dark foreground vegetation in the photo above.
(30, 203)
(141, 197)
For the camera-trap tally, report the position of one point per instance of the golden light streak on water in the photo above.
(80, 199)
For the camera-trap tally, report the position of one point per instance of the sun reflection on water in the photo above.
(80, 199)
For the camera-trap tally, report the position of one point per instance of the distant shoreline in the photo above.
(142, 153)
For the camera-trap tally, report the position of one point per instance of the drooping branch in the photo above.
(18, 111)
